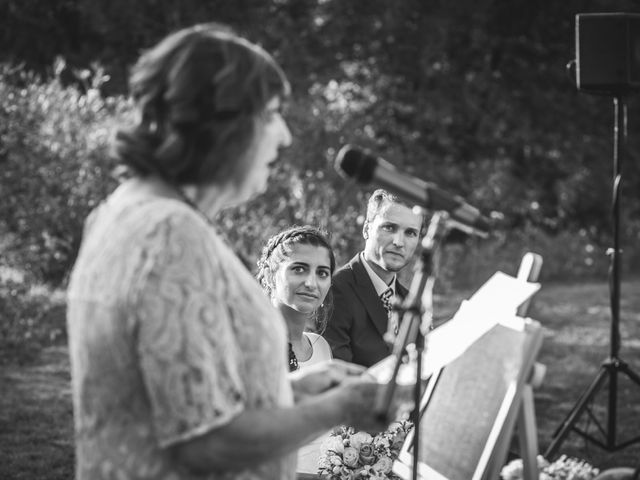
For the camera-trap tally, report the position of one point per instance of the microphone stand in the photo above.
(413, 329)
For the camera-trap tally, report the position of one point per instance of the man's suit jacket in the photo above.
(359, 320)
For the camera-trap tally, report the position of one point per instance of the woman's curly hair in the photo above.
(199, 94)
(279, 247)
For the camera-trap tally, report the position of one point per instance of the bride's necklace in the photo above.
(293, 357)
(293, 360)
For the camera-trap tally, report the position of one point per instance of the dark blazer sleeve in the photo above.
(339, 327)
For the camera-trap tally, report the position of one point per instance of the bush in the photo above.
(53, 149)
(55, 169)
(567, 255)
(33, 316)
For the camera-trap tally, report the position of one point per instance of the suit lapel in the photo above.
(366, 291)
(401, 290)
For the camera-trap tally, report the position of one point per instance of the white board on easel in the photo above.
(470, 408)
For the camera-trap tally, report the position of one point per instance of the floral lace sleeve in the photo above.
(188, 352)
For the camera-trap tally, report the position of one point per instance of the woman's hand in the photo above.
(358, 398)
(335, 393)
(322, 376)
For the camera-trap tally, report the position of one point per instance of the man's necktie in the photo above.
(385, 297)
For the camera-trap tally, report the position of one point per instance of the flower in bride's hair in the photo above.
(350, 456)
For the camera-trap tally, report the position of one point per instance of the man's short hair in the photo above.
(380, 199)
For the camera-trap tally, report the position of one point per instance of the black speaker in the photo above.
(608, 52)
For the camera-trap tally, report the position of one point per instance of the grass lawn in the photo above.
(36, 419)
(36, 434)
(577, 322)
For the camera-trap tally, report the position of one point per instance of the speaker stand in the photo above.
(612, 366)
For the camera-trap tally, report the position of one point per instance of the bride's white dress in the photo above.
(309, 453)
(321, 351)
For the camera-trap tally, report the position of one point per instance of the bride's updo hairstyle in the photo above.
(199, 95)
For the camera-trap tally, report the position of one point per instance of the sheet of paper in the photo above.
(503, 293)
(495, 302)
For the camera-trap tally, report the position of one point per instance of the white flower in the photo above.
(332, 444)
(542, 462)
(323, 461)
(378, 476)
(383, 465)
(382, 441)
(564, 468)
(350, 456)
(357, 439)
(512, 471)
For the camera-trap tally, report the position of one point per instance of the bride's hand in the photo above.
(322, 376)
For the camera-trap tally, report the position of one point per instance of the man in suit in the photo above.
(361, 288)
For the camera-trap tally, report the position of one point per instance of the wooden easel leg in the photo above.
(527, 435)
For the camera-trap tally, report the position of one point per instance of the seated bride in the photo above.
(295, 271)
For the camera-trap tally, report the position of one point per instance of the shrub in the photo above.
(53, 144)
(567, 255)
(55, 169)
(33, 316)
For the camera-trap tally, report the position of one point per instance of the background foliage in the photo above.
(472, 95)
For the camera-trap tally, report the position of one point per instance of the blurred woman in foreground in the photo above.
(179, 363)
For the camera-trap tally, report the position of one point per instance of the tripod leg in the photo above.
(624, 368)
(563, 430)
(613, 408)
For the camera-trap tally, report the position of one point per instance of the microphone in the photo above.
(366, 168)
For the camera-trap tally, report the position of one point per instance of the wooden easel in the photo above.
(524, 408)
(472, 409)
(529, 271)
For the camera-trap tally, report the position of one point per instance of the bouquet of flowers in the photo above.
(564, 468)
(348, 454)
